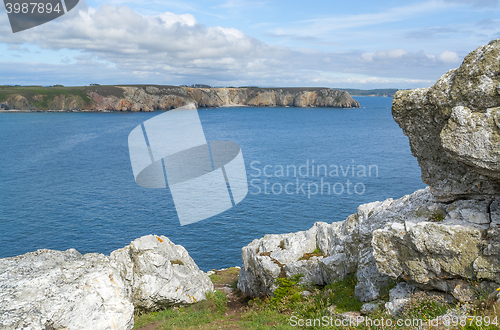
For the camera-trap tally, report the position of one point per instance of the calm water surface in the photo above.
(66, 179)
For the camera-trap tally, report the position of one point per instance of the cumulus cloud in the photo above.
(382, 55)
(394, 56)
(448, 57)
(119, 45)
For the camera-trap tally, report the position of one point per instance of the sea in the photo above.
(66, 179)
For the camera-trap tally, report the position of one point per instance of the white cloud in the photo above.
(382, 55)
(449, 57)
(171, 19)
(119, 45)
(330, 24)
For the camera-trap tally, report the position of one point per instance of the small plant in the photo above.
(342, 295)
(437, 217)
(234, 285)
(424, 306)
(315, 253)
(177, 262)
(485, 299)
(287, 287)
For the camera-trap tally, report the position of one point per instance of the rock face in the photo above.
(453, 127)
(137, 98)
(430, 244)
(66, 290)
(444, 237)
(346, 247)
(152, 97)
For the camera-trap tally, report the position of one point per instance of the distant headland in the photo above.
(385, 92)
(162, 97)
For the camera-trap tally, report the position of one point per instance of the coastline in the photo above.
(148, 98)
(161, 110)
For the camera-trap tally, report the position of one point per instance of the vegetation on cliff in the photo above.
(295, 305)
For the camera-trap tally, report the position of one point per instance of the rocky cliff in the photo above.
(153, 97)
(454, 127)
(445, 237)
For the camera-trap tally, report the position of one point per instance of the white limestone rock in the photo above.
(159, 273)
(62, 290)
(66, 290)
(345, 247)
(416, 238)
(368, 308)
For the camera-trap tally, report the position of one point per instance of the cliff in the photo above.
(154, 97)
(453, 127)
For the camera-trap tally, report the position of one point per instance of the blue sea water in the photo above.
(66, 179)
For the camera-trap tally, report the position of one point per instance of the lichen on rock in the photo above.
(452, 126)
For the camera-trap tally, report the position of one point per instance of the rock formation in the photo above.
(66, 290)
(153, 97)
(445, 237)
(453, 127)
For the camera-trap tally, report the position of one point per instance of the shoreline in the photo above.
(200, 108)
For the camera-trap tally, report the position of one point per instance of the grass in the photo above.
(228, 276)
(437, 217)
(32, 93)
(183, 317)
(218, 312)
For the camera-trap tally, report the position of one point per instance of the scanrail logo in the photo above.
(205, 178)
(25, 14)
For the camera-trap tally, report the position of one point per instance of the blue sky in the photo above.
(348, 44)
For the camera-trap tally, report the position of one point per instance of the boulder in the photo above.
(66, 290)
(429, 243)
(346, 247)
(62, 290)
(442, 256)
(453, 127)
(399, 297)
(159, 274)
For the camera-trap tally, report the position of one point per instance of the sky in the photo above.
(337, 44)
